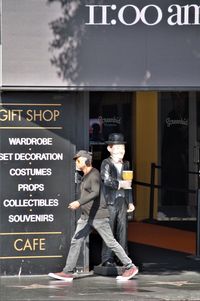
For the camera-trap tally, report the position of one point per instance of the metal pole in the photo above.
(151, 205)
(198, 209)
(198, 224)
(197, 255)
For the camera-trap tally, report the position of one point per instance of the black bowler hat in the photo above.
(116, 138)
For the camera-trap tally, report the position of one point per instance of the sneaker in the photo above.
(128, 274)
(61, 276)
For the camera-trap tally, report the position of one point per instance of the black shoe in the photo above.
(109, 264)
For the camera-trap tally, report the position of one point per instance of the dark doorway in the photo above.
(109, 112)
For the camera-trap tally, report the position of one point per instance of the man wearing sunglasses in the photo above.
(94, 215)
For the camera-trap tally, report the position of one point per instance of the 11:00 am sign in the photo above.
(149, 15)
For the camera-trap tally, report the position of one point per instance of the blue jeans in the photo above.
(83, 229)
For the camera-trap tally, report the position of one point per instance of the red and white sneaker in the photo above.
(62, 276)
(128, 274)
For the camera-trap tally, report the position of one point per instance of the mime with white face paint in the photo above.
(117, 193)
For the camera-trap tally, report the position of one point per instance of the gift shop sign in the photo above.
(31, 159)
(150, 15)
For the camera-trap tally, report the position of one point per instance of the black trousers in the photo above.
(119, 224)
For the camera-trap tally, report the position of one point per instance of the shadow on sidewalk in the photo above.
(149, 259)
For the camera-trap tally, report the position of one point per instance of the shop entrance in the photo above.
(109, 112)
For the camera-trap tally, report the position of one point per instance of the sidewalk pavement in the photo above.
(177, 285)
(163, 275)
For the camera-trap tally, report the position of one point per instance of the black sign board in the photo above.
(37, 183)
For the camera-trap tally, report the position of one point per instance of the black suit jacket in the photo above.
(111, 183)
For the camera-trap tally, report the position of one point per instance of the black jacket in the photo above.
(110, 182)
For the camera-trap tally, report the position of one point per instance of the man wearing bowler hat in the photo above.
(117, 192)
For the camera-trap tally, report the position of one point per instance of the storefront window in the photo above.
(174, 153)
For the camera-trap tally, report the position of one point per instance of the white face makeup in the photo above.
(117, 151)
